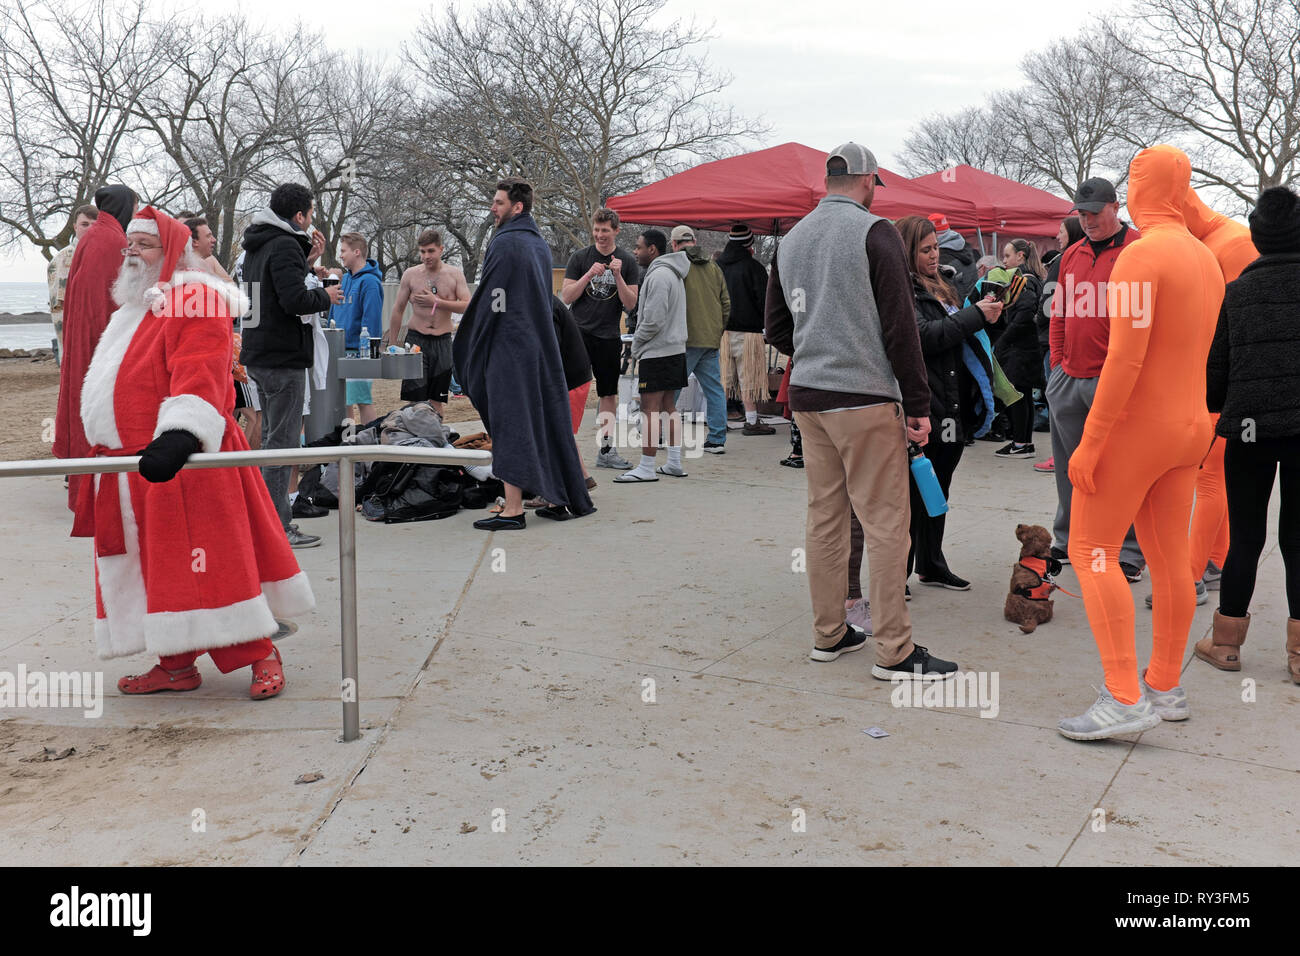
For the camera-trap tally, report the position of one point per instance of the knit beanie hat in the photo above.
(740, 233)
(1275, 222)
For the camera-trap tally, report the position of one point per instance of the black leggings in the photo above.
(1248, 470)
(927, 533)
(1021, 415)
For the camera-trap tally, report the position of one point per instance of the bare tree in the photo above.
(591, 91)
(988, 138)
(71, 75)
(1081, 114)
(232, 101)
(1226, 74)
(336, 139)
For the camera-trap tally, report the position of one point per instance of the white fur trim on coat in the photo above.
(236, 302)
(176, 632)
(290, 597)
(121, 586)
(147, 226)
(98, 416)
(189, 413)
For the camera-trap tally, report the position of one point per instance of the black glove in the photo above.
(166, 455)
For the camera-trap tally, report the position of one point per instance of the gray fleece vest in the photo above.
(838, 345)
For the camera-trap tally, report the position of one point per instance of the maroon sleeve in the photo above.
(891, 282)
(778, 323)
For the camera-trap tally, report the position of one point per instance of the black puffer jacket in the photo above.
(1017, 349)
(275, 268)
(953, 392)
(1254, 366)
(747, 286)
(963, 260)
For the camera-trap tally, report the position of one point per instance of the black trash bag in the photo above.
(481, 494)
(419, 493)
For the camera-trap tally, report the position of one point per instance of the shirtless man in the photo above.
(435, 290)
(204, 242)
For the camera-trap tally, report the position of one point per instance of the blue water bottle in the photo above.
(927, 482)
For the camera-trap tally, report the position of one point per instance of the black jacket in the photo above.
(747, 286)
(573, 353)
(1017, 349)
(963, 260)
(275, 258)
(1254, 366)
(1044, 317)
(953, 391)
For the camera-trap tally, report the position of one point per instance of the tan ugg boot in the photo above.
(1293, 648)
(1223, 647)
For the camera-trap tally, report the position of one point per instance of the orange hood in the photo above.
(1159, 178)
(1229, 241)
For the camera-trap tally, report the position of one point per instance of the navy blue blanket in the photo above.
(508, 363)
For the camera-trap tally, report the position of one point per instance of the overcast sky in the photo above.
(866, 72)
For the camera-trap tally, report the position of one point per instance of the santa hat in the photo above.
(174, 236)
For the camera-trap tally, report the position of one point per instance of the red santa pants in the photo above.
(227, 659)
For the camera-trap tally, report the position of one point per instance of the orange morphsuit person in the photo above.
(1230, 243)
(1145, 436)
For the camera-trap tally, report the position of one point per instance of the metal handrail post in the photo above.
(345, 455)
(348, 598)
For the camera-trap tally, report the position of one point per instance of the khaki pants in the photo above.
(858, 458)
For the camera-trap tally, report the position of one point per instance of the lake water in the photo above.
(17, 298)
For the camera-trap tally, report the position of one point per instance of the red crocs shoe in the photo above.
(268, 677)
(160, 679)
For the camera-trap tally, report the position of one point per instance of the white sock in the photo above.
(675, 456)
(647, 464)
(293, 496)
(751, 418)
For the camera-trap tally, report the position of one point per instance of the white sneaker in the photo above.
(612, 459)
(1107, 717)
(859, 615)
(1168, 704)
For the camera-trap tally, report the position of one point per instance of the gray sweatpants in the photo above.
(1068, 402)
(282, 391)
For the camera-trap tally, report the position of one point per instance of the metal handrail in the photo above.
(350, 686)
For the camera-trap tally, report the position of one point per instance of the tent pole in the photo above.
(979, 234)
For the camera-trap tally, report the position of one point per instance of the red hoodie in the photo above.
(1080, 327)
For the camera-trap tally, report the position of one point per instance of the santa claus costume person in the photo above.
(186, 562)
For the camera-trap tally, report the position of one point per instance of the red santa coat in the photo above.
(87, 305)
(199, 561)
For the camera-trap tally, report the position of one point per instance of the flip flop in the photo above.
(629, 478)
(662, 470)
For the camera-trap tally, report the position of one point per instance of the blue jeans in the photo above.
(704, 364)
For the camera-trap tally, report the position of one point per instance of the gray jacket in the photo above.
(661, 308)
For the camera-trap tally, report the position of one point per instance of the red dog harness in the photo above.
(1043, 569)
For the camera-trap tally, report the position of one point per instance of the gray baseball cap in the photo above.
(860, 161)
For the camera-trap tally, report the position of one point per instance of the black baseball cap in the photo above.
(1094, 195)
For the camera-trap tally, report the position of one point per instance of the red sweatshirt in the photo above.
(1080, 327)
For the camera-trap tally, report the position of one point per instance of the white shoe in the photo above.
(1107, 717)
(1168, 704)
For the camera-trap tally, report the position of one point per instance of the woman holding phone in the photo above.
(944, 327)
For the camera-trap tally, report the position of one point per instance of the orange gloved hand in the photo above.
(1083, 465)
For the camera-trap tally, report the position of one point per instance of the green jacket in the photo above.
(707, 304)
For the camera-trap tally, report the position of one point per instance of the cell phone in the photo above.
(996, 289)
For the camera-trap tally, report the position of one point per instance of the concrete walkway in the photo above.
(634, 687)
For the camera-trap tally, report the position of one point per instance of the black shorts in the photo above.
(662, 374)
(435, 350)
(605, 356)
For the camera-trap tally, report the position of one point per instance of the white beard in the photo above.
(133, 280)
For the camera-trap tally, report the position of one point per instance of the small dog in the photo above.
(1028, 603)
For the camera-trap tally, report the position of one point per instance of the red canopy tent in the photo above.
(1003, 206)
(768, 190)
